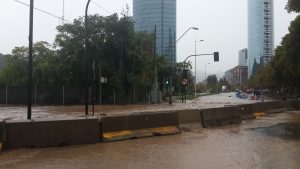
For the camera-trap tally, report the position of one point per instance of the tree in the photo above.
(178, 76)
(293, 6)
(212, 79)
(119, 53)
(2, 60)
(15, 68)
(45, 64)
(212, 82)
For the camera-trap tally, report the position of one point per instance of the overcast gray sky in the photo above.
(222, 24)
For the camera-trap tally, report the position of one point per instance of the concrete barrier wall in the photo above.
(220, 116)
(277, 106)
(189, 116)
(2, 131)
(249, 110)
(296, 105)
(113, 128)
(51, 133)
(2, 134)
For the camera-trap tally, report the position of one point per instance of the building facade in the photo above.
(243, 57)
(160, 13)
(260, 32)
(237, 76)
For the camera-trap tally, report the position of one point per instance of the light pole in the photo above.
(205, 69)
(196, 65)
(86, 78)
(216, 59)
(171, 76)
(194, 28)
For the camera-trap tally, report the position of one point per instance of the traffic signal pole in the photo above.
(216, 59)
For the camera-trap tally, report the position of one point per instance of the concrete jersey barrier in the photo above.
(296, 105)
(114, 128)
(189, 116)
(220, 116)
(22, 134)
(250, 111)
(2, 134)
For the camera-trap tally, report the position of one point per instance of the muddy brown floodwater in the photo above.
(271, 142)
(58, 112)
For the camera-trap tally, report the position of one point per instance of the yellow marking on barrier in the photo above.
(260, 114)
(127, 134)
(165, 130)
(112, 135)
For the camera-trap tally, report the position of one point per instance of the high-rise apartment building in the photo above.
(260, 32)
(160, 13)
(243, 57)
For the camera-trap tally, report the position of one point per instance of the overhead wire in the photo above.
(62, 18)
(43, 11)
(99, 6)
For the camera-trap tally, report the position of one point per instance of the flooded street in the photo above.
(271, 142)
(55, 112)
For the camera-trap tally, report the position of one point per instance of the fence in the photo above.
(62, 95)
(41, 95)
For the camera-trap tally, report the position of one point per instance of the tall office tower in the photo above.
(243, 57)
(260, 33)
(162, 13)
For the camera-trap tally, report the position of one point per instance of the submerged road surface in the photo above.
(58, 112)
(271, 142)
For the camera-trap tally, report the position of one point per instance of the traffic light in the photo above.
(216, 56)
(184, 73)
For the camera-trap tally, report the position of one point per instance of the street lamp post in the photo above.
(194, 28)
(86, 78)
(171, 76)
(196, 65)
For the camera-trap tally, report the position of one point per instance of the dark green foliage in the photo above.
(116, 52)
(212, 79)
(2, 60)
(293, 6)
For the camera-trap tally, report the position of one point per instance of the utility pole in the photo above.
(171, 70)
(30, 60)
(155, 67)
(86, 60)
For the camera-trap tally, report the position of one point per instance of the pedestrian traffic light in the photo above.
(216, 56)
(184, 73)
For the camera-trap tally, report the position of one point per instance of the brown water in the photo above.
(271, 142)
(57, 112)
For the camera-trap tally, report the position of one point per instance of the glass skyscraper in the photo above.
(162, 13)
(260, 33)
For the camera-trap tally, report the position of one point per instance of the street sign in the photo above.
(184, 81)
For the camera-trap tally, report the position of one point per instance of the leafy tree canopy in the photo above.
(293, 6)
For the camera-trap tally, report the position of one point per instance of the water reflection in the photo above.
(284, 130)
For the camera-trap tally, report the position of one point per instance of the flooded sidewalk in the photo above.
(66, 112)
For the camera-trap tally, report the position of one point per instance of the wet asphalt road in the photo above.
(271, 142)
